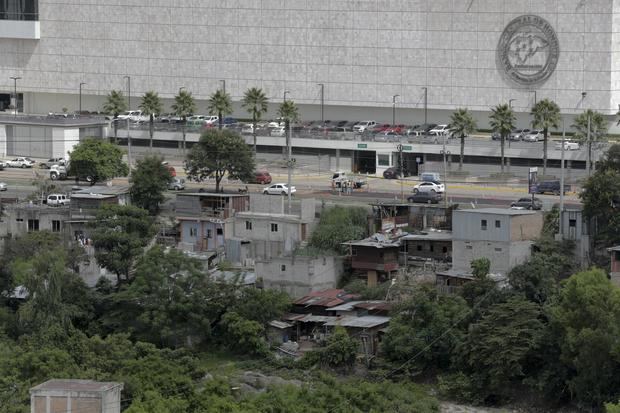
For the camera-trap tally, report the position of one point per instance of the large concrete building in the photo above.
(366, 54)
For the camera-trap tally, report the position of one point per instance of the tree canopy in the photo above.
(546, 115)
(256, 103)
(220, 153)
(151, 106)
(220, 103)
(502, 121)
(462, 124)
(337, 225)
(149, 180)
(97, 159)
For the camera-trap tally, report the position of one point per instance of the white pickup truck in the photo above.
(59, 173)
(340, 178)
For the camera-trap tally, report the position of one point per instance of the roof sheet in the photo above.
(325, 298)
(368, 321)
(496, 211)
(76, 385)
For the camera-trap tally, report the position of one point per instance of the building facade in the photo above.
(379, 55)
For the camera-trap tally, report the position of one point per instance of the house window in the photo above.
(248, 225)
(468, 247)
(498, 250)
(419, 248)
(20, 220)
(193, 232)
(498, 223)
(282, 267)
(55, 226)
(209, 234)
(33, 225)
(444, 250)
(219, 231)
(432, 248)
(483, 224)
(380, 255)
(383, 160)
(572, 223)
(274, 227)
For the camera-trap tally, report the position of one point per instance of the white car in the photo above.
(429, 187)
(134, 116)
(3, 186)
(278, 132)
(363, 125)
(439, 130)
(247, 129)
(568, 146)
(20, 162)
(278, 189)
(533, 136)
(211, 120)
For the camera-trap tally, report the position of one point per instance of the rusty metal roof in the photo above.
(325, 298)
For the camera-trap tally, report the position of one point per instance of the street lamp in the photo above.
(394, 109)
(286, 92)
(425, 105)
(80, 104)
(322, 102)
(510, 102)
(223, 85)
(15, 79)
(534, 92)
(128, 91)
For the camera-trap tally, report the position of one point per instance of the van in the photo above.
(430, 177)
(550, 187)
(57, 199)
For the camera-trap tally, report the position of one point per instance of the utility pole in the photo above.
(128, 147)
(322, 103)
(394, 110)
(425, 106)
(589, 147)
(15, 79)
(402, 172)
(562, 177)
(289, 163)
(128, 91)
(80, 103)
(223, 85)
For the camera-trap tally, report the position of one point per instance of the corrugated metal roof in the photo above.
(367, 305)
(326, 298)
(368, 321)
(280, 324)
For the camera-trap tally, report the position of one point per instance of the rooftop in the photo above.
(103, 190)
(431, 235)
(214, 194)
(496, 211)
(76, 385)
(377, 241)
(326, 298)
(367, 321)
(368, 305)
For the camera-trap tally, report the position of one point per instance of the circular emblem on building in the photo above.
(528, 50)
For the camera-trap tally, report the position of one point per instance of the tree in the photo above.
(611, 159)
(462, 123)
(340, 349)
(503, 122)
(516, 328)
(482, 292)
(98, 159)
(120, 233)
(596, 132)
(587, 319)
(600, 196)
(183, 106)
(149, 181)
(262, 306)
(217, 153)
(255, 101)
(426, 329)
(151, 105)
(289, 112)
(244, 336)
(338, 225)
(114, 105)
(546, 115)
(220, 103)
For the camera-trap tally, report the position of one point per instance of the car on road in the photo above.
(439, 130)
(20, 162)
(176, 184)
(496, 136)
(550, 187)
(3, 186)
(394, 173)
(211, 120)
(534, 135)
(51, 162)
(278, 132)
(423, 130)
(278, 189)
(527, 203)
(57, 200)
(424, 198)
(568, 146)
(434, 186)
(518, 134)
(262, 177)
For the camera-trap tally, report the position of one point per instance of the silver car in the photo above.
(3, 186)
(176, 184)
(534, 136)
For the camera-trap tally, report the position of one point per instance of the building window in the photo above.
(432, 248)
(468, 247)
(193, 232)
(419, 248)
(209, 233)
(219, 231)
(444, 250)
(282, 267)
(572, 223)
(33, 225)
(274, 227)
(383, 160)
(483, 224)
(498, 250)
(20, 220)
(55, 226)
(248, 225)
(498, 223)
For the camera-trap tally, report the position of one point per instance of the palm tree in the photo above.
(546, 115)
(255, 101)
(151, 104)
(115, 104)
(289, 111)
(598, 129)
(183, 106)
(502, 121)
(220, 103)
(462, 123)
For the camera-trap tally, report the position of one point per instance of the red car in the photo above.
(262, 177)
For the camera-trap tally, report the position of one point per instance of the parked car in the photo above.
(424, 129)
(176, 184)
(527, 203)
(230, 121)
(394, 173)
(430, 177)
(439, 130)
(20, 162)
(429, 187)
(278, 132)
(534, 135)
(496, 136)
(262, 177)
(51, 162)
(57, 200)
(550, 187)
(3, 186)
(278, 189)
(211, 120)
(363, 125)
(425, 198)
(387, 136)
(518, 134)
(247, 129)
(568, 146)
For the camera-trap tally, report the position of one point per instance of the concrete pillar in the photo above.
(337, 159)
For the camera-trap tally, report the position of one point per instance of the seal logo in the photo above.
(528, 50)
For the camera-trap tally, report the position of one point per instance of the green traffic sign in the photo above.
(362, 146)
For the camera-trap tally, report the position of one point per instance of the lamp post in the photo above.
(286, 92)
(534, 92)
(394, 110)
(510, 102)
(425, 105)
(128, 91)
(80, 103)
(322, 102)
(223, 85)
(15, 79)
